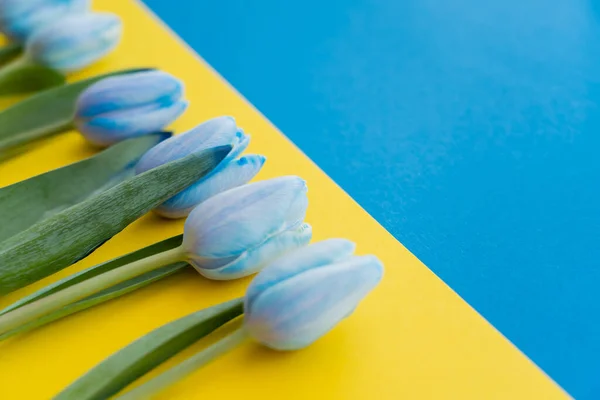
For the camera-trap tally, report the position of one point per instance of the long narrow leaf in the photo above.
(48, 112)
(143, 355)
(96, 270)
(28, 78)
(30, 201)
(100, 297)
(72, 234)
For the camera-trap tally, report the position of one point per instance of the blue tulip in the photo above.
(290, 304)
(74, 41)
(126, 106)
(239, 231)
(230, 173)
(300, 297)
(19, 19)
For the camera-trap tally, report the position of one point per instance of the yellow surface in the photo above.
(413, 338)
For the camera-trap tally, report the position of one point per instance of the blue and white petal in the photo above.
(297, 311)
(129, 91)
(233, 174)
(129, 105)
(254, 260)
(231, 222)
(215, 132)
(314, 256)
(114, 127)
(74, 41)
(19, 19)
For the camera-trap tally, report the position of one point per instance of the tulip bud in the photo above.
(291, 303)
(19, 19)
(237, 232)
(300, 297)
(229, 174)
(130, 105)
(75, 41)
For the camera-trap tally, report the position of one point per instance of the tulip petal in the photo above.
(75, 41)
(256, 259)
(21, 8)
(215, 132)
(241, 218)
(129, 91)
(113, 127)
(297, 211)
(296, 312)
(314, 256)
(231, 175)
(19, 18)
(240, 143)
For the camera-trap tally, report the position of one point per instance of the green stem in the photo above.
(174, 374)
(8, 71)
(10, 51)
(32, 311)
(98, 298)
(12, 144)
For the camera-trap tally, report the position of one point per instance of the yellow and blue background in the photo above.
(454, 139)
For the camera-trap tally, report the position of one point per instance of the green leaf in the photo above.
(141, 356)
(96, 270)
(35, 199)
(100, 297)
(19, 77)
(9, 52)
(44, 114)
(72, 234)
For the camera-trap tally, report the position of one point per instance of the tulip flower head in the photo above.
(19, 19)
(300, 297)
(125, 106)
(239, 231)
(290, 304)
(230, 173)
(75, 41)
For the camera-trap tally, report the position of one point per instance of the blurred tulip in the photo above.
(229, 174)
(130, 105)
(75, 41)
(237, 232)
(19, 19)
(298, 298)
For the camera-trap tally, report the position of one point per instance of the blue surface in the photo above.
(468, 128)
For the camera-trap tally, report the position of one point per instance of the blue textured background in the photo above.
(468, 128)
